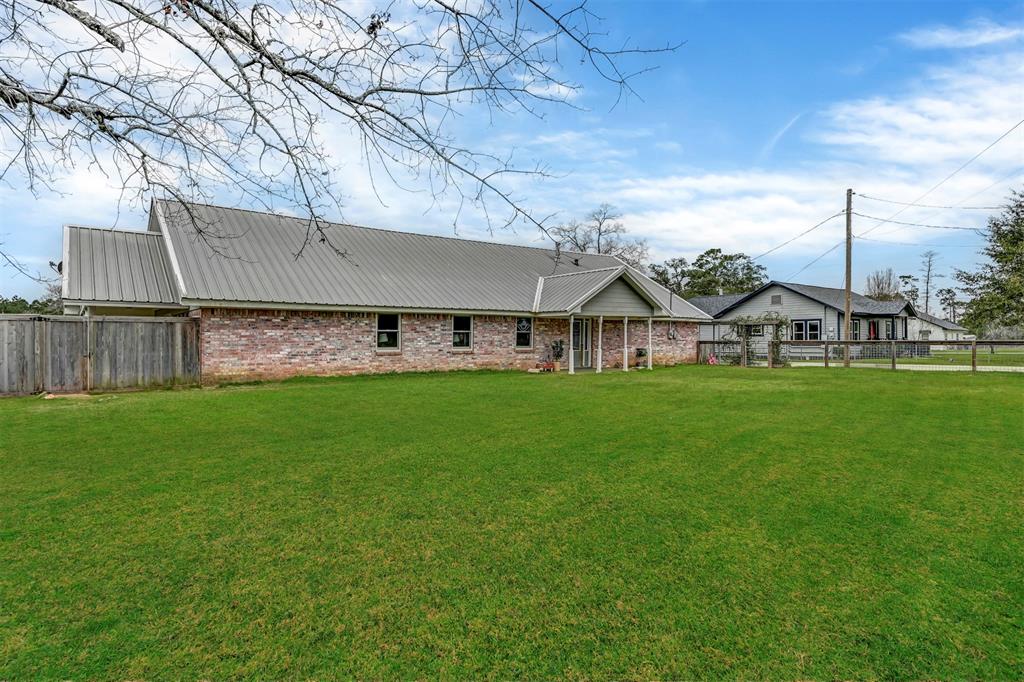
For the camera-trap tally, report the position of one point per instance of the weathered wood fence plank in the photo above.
(64, 354)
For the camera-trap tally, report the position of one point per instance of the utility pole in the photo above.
(849, 274)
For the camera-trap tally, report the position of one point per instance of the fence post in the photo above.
(826, 354)
(892, 352)
(771, 351)
(90, 352)
(974, 355)
(743, 351)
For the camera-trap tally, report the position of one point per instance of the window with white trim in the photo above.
(888, 330)
(388, 331)
(462, 331)
(855, 329)
(756, 330)
(806, 330)
(524, 332)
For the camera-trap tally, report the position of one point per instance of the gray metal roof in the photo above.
(562, 292)
(945, 324)
(249, 257)
(116, 266)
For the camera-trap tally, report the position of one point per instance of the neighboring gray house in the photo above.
(927, 327)
(815, 313)
(395, 301)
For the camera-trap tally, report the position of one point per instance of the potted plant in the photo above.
(557, 351)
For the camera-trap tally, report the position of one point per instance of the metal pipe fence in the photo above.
(969, 356)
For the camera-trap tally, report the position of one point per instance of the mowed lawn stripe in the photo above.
(693, 521)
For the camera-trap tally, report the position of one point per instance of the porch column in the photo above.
(650, 349)
(572, 360)
(600, 346)
(625, 344)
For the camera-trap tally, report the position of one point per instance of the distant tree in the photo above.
(929, 263)
(996, 289)
(711, 273)
(950, 302)
(602, 232)
(909, 289)
(882, 285)
(673, 274)
(50, 304)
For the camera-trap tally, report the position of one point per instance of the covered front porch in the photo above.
(610, 342)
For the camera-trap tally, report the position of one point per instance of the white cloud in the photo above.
(974, 34)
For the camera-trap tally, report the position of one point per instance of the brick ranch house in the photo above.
(391, 301)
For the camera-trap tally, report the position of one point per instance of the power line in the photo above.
(838, 244)
(904, 203)
(943, 181)
(937, 246)
(805, 232)
(918, 199)
(899, 222)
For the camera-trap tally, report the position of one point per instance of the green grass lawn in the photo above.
(686, 522)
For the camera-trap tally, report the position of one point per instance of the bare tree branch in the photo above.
(192, 99)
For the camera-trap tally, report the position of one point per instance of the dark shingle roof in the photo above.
(713, 305)
(835, 298)
(945, 324)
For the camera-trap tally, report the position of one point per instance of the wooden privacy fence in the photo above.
(974, 355)
(63, 354)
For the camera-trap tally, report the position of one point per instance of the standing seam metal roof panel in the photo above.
(109, 266)
(249, 257)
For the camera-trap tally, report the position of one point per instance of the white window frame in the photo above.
(855, 329)
(471, 332)
(890, 330)
(515, 332)
(805, 329)
(378, 330)
(757, 330)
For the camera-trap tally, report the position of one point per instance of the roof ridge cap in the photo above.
(581, 272)
(388, 229)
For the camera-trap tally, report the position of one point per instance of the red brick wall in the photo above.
(674, 342)
(274, 344)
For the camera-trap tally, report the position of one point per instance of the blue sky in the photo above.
(746, 136)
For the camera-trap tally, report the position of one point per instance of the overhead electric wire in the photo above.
(816, 260)
(918, 199)
(904, 203)
(943, 181)
(937, 246)
(805, 232)
(900, 222)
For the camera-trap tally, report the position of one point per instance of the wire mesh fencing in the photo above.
(967, 356)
